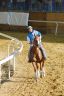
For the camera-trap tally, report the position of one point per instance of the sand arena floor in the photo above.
(23, 84)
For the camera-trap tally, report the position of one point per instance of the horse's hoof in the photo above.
(40, 76)
(44, 74)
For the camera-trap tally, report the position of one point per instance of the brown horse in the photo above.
(38, 59)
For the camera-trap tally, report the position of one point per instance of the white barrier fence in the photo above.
(12, 55)
(55, 22)
(14, 18)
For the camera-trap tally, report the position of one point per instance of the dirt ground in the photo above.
(23, 82)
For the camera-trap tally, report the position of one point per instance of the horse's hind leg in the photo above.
(41, 72)
(43, 69)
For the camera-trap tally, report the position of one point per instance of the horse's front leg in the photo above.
(35, 66)
(38, 70)
(42, 69)
(35, 69)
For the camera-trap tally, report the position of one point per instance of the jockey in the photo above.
(30, 37)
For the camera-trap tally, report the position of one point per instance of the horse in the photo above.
(38, 59)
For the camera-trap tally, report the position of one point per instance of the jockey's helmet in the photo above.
(29, 27)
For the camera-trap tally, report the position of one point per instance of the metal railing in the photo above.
(12, 55)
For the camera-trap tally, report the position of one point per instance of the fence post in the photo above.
(9, 71)
(0, 73)
(56, 31)
(13, 62)
(8, 62)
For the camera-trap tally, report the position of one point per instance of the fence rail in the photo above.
(12, 55)
(55, 22)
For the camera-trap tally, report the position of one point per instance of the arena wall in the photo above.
(43, 27)
(47, 27)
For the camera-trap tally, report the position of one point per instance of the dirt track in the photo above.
(23, 83)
